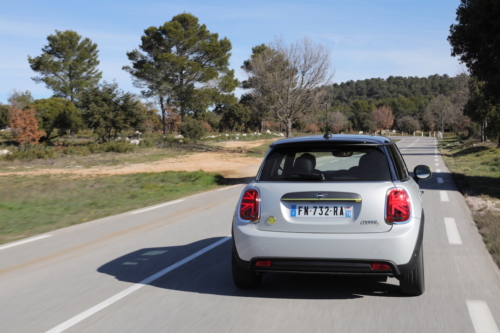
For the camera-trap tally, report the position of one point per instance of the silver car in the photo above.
(341, 204)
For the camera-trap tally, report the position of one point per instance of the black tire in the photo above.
(413, 283)
(244, 279)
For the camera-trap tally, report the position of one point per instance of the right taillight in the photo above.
(398, 205)
(249, 207)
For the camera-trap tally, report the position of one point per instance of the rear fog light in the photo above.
(263, 263)
(380, 267)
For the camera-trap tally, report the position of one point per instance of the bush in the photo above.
(30, 153)
(192, 128)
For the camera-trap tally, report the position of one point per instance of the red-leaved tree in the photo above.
(24, 125)
(383, 118)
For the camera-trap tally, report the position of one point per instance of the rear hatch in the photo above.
(323, 207)
(328, 188)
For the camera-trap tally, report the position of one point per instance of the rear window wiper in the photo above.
(305, 175)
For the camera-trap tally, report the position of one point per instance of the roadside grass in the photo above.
(34, 205)
(475, 168)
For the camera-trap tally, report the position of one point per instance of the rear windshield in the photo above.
(326, 164)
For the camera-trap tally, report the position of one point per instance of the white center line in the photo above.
(158, 206)
(452, 231)
(440, 180)
(410, 145)
(481, 317)
(438, 170)
(24, 241)
(444, 196)
(78, 318)
(227, 188)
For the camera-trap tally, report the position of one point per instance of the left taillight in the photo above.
(249, 206)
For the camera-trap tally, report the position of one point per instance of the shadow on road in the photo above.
(210, 273)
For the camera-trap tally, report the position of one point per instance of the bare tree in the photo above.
(337, 121)
(441, 108)
(284, 78)
(383, 117)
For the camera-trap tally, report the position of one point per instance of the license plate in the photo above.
(321, 211)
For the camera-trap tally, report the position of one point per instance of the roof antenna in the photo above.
(327, 135)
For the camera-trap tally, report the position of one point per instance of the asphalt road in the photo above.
(167, 269)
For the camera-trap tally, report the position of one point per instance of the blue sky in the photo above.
(368, 38)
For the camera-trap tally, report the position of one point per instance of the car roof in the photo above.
(334, 139)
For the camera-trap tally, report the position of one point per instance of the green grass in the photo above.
(475, 167)
(33, 205)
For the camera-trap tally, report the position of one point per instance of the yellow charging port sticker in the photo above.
(271, 220)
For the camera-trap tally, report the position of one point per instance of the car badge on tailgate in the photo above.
(369, 222)
(320, 195)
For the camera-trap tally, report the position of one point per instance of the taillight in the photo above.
(249, 207)
(398, 205)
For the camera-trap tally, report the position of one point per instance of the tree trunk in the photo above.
(162, 107)
(289, 128)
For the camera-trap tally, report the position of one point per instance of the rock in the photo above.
(5, 152)
(134, 142)
(268, 131)
(179, 136)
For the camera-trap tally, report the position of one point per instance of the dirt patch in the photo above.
(242, 144)
(229, 165)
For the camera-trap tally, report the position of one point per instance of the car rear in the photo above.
(322, 206)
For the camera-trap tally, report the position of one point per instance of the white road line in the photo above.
(437, 164)
(435, 159)
(438, 170)
(440, 180)
(78, 318)
(24, 241)
(158, 206)
(411, 145)
(444, 196)
(452, 231)
(481, 317)
(227, 188)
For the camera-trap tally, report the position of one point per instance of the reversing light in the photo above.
(398, 205)
(263, 263)
(249, 207)
(380, 267)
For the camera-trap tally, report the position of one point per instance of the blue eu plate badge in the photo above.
(294, 211)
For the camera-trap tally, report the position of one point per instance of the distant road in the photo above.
(166, 268)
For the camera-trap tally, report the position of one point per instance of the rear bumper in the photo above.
(329, 253)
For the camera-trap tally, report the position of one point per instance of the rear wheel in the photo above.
(413, 283)
(244, 279)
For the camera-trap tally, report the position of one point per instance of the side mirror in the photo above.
(421, 172)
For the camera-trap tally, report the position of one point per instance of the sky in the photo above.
(368, 38)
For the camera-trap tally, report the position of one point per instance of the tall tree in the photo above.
(475, 39)
(183, 64)
(285, 77)
(479, 107)
(67, 65)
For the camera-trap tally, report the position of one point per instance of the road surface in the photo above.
(167, 269)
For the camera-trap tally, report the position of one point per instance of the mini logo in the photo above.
(369, 222)
(320, 195)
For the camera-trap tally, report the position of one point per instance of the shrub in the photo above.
(192, 128)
